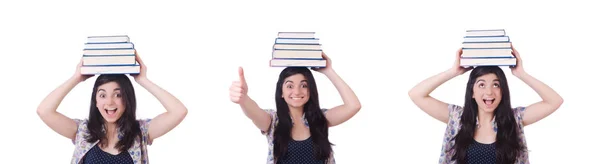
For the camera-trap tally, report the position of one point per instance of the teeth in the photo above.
(111, 108)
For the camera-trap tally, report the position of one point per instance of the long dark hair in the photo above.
(507, 142)
(127, 123)
(316, 119)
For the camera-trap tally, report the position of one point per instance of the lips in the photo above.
(110, 111)
(296, 98)
(489, 101)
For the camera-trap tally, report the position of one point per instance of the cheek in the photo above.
(498, 93)
(285, 92)
(306, 92)
(476, 93)
(99, 104)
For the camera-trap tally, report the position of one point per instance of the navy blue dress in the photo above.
(98, 156)
(479, 153)
(300, 152)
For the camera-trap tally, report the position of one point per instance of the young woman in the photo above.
(297, 131)
(112, 134)
(486, 129)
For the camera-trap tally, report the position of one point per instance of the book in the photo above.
(487, 48)
(110, 69)
(491, 32)
(318, 63)
(108, 52)
(486, 39)
(486, 45)
(109, 55)
(465, 62)
(305, 35)
(108, 39)
(108, 60)
(104, 46)
(296, 41)
(297, 54)
(489, 53)
(296, 47)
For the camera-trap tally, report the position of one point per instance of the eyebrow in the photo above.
(293, 82)
(116, 89)
(495, 80)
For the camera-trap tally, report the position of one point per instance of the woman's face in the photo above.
(295, 91)
(487, 93)
(109, 102)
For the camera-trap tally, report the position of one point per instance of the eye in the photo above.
(289, 86)
(481, 85)
(102, 96)
(118, 95)
(304, 86)
(496, 85)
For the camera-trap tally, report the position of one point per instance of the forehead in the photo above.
(487, 77)
(110, 86)
(295, 78)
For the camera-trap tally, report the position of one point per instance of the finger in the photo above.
(324, 56)
(236, 89)
(241, 74)
(459, 52)
(235, 94)
(514, 51)
(236, 84)
(138, 58)
(80, 62)
(235, 99)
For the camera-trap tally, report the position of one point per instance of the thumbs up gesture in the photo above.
(239, 89)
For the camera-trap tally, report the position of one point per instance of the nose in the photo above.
(296, 90)
(487, 90)
(110, 100)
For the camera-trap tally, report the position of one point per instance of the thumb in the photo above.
(242, 78)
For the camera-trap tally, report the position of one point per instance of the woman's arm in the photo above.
(420, 93)
(238, 93)
(175, 113)
(551, 101)
(342, 113)
(47, 108)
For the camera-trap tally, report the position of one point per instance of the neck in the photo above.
(485, 118)
(111, 130)
(296, 113)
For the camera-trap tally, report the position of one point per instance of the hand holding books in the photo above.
(78, 75)
(141, 75)
(328, 68)
(517, 70)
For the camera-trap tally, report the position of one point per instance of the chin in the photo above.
(297, 105)
(486, 109)
(110, 121)
(489, 110)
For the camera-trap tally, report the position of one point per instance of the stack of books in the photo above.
(109, 55)
(297, 49)
(487, 48)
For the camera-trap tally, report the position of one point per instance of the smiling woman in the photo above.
(486, 129)
(112, 134)
(297, 131)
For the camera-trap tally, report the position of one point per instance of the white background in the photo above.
(381, 50)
